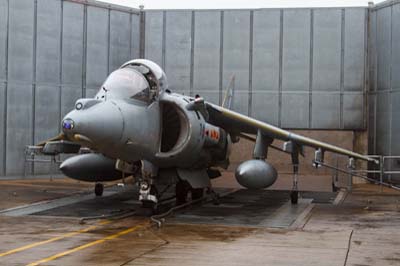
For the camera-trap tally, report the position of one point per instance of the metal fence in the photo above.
(384, 93)
(53, 52)
(295, 68)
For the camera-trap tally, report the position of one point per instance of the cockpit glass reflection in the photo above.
(125, 83)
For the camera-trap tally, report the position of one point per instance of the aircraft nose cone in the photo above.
(99, 125)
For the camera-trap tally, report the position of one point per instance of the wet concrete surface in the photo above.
(246, 228)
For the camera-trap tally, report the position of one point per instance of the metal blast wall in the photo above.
(53, 52)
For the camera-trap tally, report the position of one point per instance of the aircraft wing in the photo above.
(236, 123)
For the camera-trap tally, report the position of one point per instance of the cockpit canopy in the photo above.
(138, 79)
(125, 83)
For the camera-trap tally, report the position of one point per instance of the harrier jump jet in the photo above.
(136, 125)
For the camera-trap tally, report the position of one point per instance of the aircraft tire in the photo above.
(197, 193)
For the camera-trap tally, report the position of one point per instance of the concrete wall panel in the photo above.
(327, 50)
(295, 111)
(135, 36)
(266, 34)
(72, 53)
(236, 56)
(353, 106)
(20, 48)
(265, 106)
(19, 126)
(384, 44)
(177, 50)
(47, 122)
(354, 49)
(119, 39)
(48, 42)
(154, 36)
(2, 128)
(325, 110)
(206, 63)
(296, 51)
(97, 47)
(3, 37)
(396, 48)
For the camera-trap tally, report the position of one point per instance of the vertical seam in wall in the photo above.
(390, 84)
(6, 91)
(33, 133)
(376, 82)
(130, 35)
(84, 55)
(365, 107)
(108, 40)
(142, 33)
(342, 32)
(61, 60)
(249, 111)
(280, 68)
(193, 20)
(311, 71)
(221, 56)
(164, 29)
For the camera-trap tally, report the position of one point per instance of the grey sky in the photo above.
(228, 4)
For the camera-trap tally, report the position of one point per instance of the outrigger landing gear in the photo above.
(148, 195)
(98, 189)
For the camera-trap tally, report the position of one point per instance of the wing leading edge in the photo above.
(238, 123)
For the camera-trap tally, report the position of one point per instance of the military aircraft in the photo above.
(135, 125)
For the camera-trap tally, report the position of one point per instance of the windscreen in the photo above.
(125, 83)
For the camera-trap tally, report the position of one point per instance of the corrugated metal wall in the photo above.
(295, 68)
(384, 96)
(53, 52)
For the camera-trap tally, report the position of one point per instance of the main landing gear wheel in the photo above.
(197, 193)
(294, 196)
(98, 189)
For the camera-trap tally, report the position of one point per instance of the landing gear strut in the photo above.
(294, 194)
(98, 189)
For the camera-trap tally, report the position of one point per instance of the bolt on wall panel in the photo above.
(48, 42)
(354, 49)
(206, 56)
(20, 48)
(47, 121)
(154, 36)
(72, 51)
(135, 36)
(384, 45)
(97, 46)
(296, 50)
(326, 50)
(236, 56)
(295, 111)
(3, 38)
(325, 110)
(353, 110)
(396, 48)
(19, 126)
(178, 50)
(119, 39)
(266, 34)
(265, 106)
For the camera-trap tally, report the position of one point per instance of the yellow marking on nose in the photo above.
(52, 239)
(90, 244)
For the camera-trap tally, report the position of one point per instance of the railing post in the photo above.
(381, 171)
